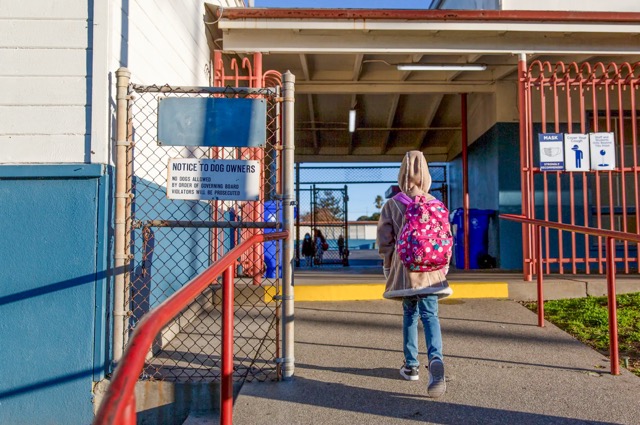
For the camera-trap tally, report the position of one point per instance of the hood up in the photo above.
(414, 178)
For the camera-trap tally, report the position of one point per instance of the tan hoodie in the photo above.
(414, 179)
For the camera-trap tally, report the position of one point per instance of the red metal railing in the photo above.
(580, 98)
(118, 406)
(610, 248)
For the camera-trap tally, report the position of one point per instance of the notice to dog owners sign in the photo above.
(213, 179)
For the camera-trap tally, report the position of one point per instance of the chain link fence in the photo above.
(323, 195)
(172, 241)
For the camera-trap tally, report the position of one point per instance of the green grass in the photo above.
(587, 320)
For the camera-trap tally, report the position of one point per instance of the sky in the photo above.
(346, 4)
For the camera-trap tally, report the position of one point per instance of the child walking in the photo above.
(418, 291)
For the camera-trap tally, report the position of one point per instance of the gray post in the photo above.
(288, 201)
(122, 84)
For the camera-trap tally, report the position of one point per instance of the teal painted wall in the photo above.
(53, 291)
(494, 183)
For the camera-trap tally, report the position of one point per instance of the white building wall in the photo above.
(57, 69)
(43, 81)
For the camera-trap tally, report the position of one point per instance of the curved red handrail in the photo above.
(117, 404)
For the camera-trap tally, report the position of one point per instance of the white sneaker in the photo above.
(437, 384)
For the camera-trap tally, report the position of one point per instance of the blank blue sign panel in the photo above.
(210, 121)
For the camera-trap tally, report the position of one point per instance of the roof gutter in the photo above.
(431, 15)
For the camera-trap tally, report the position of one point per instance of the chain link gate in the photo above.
(172, 241)
(326, 208)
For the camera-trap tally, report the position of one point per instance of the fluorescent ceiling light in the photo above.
(440, 67)
(352, 120)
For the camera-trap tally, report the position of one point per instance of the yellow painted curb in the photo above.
(373, 291)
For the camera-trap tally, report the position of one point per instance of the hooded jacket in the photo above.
(414, 179)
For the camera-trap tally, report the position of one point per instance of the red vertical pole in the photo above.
(634, 142)
(538, 239)
(524, 168)
(623, 183)
(611, 298)
(226, 396)
(556, 129)
(465, 179)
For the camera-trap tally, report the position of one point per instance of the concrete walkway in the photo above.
(501, 369)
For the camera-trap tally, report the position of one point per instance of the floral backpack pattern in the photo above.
(425, 242)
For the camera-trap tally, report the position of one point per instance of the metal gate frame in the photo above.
(579, 98)
(131, 218)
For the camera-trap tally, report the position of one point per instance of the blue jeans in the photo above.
(427, 308)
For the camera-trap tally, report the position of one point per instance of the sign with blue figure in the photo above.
(212, 121)
(551, 151)
(603, 151)
(576, 152)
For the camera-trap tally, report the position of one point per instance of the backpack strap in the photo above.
(403, 198)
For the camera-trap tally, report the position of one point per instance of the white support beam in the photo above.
(393, 87)
(421, 42)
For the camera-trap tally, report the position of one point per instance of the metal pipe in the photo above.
(611, 304)
(121, 256)
(202, 89)
(465, 179)
(226, 391)
(208, 224)
(538, 239)
(288, 201)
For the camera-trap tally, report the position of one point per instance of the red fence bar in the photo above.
(118, 401)
(611, 303)
(538, 234)
(226, 396)
(523, 101)
(611, 236)
(634, 136)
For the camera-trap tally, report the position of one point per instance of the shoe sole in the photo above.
(437, 386)
(408, 377)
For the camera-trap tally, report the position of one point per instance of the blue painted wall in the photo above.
(173, 255)
(53, 291)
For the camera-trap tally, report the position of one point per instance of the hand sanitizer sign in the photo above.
(576, 152)
(603, 151)
(551, 151)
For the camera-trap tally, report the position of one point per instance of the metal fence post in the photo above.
(122, 83)
(288, 202)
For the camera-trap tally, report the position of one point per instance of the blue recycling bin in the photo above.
(270, 210)
(478, 236)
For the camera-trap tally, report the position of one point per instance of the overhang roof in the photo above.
(346, 58)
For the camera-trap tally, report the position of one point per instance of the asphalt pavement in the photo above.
(501, 368)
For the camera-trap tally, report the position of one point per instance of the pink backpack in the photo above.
(425, 243)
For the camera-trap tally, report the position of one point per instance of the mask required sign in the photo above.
(213, 179)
